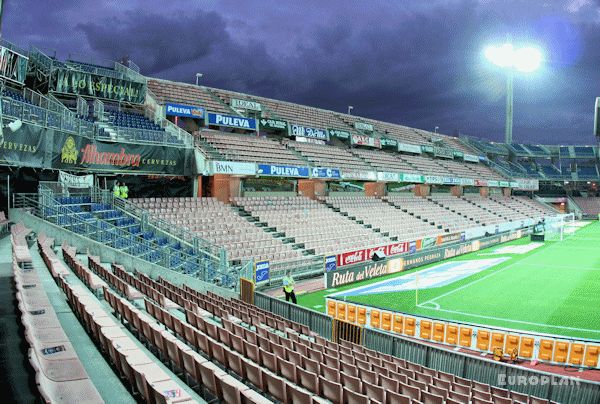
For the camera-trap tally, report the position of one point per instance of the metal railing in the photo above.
(556, 387)
(44, 117)
(216, 252)
(46, 206)
(156, 110)
(318, 322)
(302, 267)
(540, 384)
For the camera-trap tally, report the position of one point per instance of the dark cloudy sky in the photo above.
(417, 63)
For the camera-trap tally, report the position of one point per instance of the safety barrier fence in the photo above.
(558, 388)
(548, 348)
(184, 259)
(317, 322)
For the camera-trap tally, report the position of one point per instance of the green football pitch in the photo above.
(551, 288)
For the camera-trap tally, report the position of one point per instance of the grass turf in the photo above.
(554, 289)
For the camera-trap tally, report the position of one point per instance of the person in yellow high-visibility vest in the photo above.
(124, 191)
(117, 189)
(288, 287)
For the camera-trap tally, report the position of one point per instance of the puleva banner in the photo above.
(69, 81)
(282, 171)
(231, 121)
(187, 111)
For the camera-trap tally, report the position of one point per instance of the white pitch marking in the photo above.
(487, 276)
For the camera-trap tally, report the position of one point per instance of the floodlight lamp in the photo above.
(526, 59)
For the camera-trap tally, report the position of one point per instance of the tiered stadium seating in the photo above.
(106, 224)
(590, 171)
(527, 206)
(251, 148)
(480, 215)
(510, 213)
(426, 210)
(132, 120)
(169, 91)
(136, 127)
(484, 172)
(329, 156)
(59, 373)
(384, 161)
(311, 223)
(284, 360)
(214, 221)
(137, 365)
(589, 205)
(386, 218)
(294, 113)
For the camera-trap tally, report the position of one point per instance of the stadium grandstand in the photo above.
(149, 227)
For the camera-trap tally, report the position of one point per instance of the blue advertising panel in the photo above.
(318, 172)
(330, 263)
(231, 121)
(282, 171)
(187, 111)
(261, 271)
(412, 247)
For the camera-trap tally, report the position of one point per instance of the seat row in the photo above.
(59, 373)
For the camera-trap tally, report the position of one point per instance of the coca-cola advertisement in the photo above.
(353, 257)
(397, 248)
(358, 256)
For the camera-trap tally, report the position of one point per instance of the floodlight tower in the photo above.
(524, 60)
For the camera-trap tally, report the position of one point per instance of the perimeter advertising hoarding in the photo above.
(527, 184)
(359, 175)
(246, 104)
(311, 133)
(232, 167)
(34, 146)
(72, 152)
(76, 82)
(342, 134)
(367, 127)
(270, 123)
(371, 270)
(410, 148)
(13, 65)
(364, 140)
(187, 111)
(282, 171)
(388, 177)
(26, 146)
(231, 121)
(262, 271)
(320, 172)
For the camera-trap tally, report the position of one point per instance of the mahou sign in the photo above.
(358, 256)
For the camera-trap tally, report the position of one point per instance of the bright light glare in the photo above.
(527, 59)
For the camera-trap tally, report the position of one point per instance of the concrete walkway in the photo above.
(16, 377)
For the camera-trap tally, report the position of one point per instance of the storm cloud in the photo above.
(415, 63)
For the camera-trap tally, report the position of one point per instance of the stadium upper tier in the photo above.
(551, 162)
(236, 147)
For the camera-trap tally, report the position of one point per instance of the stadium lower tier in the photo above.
(168, 343)
(286, 228)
